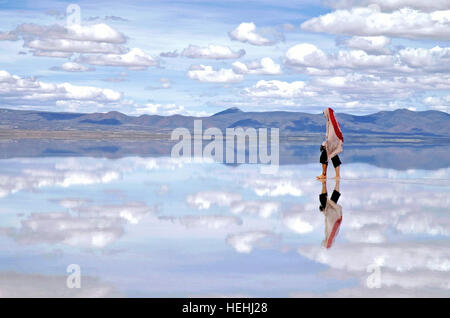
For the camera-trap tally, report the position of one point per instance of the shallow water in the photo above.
(160, 227)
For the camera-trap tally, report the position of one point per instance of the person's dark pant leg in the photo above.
(324, 157)
(336, 161)
(335, 196)
(323, 201)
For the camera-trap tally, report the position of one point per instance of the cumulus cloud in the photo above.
(95, 33)
(100, 44)
(436, 59)
(438, 103)
(159, 109)
(34, 179)
(92, 226)
(278, 89)
(17, 90)
(205, 199)
(63, 41)
(369, 44)
(71, 203)
(396, 256)
(72, 67)
(421, 222)
(265, 66)
(52, 54)
(358, 85)
(135, 59)
(56, 228)
(301, 223)
(274, 187)
(246, 32)
(264, 209)
(371, 233)
(216, 52)
(390, 5)
(245, 242)
(8, 36)
(63, 47)
(370, 21)
(308, 55)
(205, 73)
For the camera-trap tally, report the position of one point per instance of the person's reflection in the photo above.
(332, 212)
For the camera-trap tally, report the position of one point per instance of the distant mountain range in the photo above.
(400, 122)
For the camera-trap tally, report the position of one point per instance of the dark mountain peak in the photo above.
(114, 114)
(403, 111)
(231, 110)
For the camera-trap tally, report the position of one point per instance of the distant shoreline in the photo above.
(133, 135)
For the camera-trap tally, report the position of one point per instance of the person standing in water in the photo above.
(332, 145)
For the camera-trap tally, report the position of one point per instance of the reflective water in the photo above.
(157, 227)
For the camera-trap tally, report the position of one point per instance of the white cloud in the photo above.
(278, 89)
(274, 187)
(265, 66)
(204, 200)
(216, 52)
(18, 90)
(400, 257)
(246, 32)
(308, 55)
(135, 59)
(376, 87)
(436, 59)
(71, 203)
(92, 226)
(62, 41)
(438, 103)
(369, 44)
(390, 5)
(297, 222)
(72, 67)
(8, 36)
(424, 223)
(372, 233)
(52, 54)
(159, 109)
(96, 33)
(262, 208)
(205, 73)
(67, 173)
(55, 47)
(245, 242)
(406, 22)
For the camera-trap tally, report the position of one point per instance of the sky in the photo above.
(200, 57)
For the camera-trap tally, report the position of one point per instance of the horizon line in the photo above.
(216, 113)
